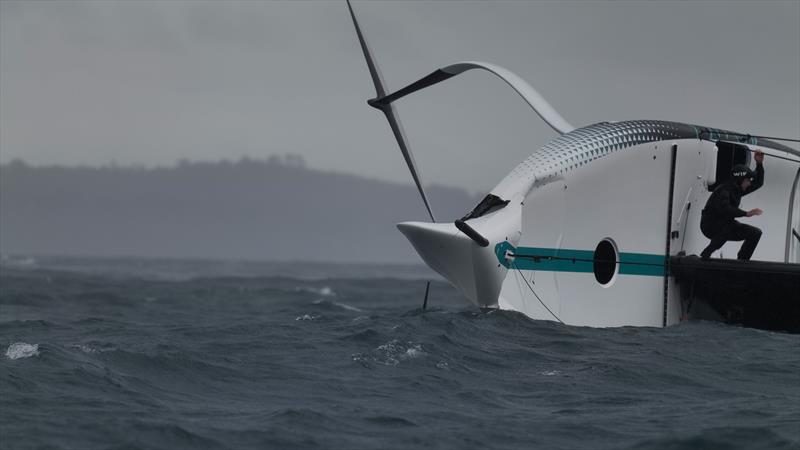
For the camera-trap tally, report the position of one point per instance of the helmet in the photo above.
(740, 172)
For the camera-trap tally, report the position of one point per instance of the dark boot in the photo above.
(713, 246)
(751, 237)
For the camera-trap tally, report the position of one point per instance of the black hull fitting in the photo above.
(754, 294)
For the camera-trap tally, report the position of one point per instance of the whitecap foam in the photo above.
(90, 350)
(336, 304)
(19, 262)
(324, 291)
(19, 350)
(307, 317)
(413, 352)
(85, 348)
(394, 351)
(347, 307)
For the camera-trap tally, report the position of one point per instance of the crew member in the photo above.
(718, 221)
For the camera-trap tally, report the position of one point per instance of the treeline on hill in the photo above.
(274, 209)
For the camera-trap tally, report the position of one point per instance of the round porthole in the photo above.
(605, 262)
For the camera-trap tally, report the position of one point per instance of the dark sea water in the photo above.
(126, 354)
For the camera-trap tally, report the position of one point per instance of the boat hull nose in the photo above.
(472, 269)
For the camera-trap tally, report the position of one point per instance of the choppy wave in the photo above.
(276, 362)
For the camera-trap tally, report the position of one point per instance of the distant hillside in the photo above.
(261, 210)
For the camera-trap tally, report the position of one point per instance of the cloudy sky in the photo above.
(151, 82)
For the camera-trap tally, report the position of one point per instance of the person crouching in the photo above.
(718, 221)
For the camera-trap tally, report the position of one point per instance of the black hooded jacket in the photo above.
(722, 207)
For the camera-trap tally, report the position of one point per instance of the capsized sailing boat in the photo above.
(593, 228)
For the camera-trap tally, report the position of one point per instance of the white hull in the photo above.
(578, 192)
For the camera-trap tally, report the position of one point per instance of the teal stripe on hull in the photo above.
(582, 261)
(642, 264)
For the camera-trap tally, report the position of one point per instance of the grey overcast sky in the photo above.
(151, 82)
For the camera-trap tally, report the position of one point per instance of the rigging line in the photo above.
(747, 136)
(524, 304)
(794, 160)
(686, 222)
(776, 156)
(537, 258)
(775, 138)
(534, 293)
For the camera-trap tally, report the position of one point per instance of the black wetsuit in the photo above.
(719, 222)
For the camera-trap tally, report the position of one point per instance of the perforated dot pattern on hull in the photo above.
(584, 145)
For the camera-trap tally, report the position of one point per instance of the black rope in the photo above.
(746, 137)
(534, 293)
(771, 138)
(538, 258)
(686, 223)
(776, 156)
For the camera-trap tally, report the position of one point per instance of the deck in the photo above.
(758, 294)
